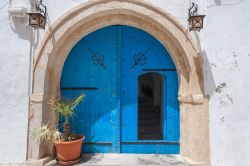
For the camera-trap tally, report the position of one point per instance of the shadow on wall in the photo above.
(47, 115)
(218, 3)
(21, 28)
(25, 32)
(209, 83)
(50, 32)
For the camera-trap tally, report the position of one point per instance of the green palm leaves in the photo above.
(46, 134)
(64, 108)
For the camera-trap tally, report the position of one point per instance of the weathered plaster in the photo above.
(14, 79)
(226, 43)
(86, 18)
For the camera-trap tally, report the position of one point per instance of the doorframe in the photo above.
(80, 21)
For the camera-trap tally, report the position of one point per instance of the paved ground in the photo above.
(128, 160)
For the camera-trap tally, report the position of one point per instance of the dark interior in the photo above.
(150, 97)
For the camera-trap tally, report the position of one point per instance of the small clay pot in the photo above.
(69, 151)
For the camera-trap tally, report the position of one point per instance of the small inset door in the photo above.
(150, 106)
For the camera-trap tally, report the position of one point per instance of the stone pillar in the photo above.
(35, 121)
(195, 133)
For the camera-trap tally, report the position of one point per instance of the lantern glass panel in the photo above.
(37, 20)
(196, 22)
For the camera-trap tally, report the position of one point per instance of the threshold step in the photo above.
(113, 159)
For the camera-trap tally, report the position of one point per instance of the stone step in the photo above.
(148, 108)
(149, 130)
(150, 137)
(147, 116)
(149, 123)
(128, 160)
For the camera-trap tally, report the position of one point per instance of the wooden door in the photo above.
(149, 101)
(91, 68)
(131, 88)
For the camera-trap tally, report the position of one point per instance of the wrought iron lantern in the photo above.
(37, 17)
(195, 20)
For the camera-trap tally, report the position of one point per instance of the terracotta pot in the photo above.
(69, 151)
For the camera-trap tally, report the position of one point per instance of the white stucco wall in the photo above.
(227, 47)
(225, 43)
(226, 54)
(14, 71)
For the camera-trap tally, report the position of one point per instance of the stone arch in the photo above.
(88, 17)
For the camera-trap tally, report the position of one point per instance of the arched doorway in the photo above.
(80, 21)
(131, 85)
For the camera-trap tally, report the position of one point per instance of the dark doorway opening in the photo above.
(150, 103)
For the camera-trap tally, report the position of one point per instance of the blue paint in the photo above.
(151, 148)
(112, 59)
(96, 116)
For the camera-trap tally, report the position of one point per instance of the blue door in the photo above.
(91, 68)
(131, 88)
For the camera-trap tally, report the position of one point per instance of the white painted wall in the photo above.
(227, 45)
(16, 46)
(226, 53)
(14, 71)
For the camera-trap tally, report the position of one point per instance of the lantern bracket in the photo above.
(40, 7)
(193, 10)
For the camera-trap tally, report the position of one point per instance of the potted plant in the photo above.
(68, 145)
